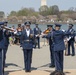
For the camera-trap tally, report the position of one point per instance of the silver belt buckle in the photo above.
(27, 40)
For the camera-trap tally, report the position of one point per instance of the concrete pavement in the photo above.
(40, 62)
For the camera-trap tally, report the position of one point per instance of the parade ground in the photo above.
(40, 62)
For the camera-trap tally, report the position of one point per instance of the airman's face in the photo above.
(19, 25)
(5, 24)
(70, 27)
(57, 28)
(27, 26)
(50, 28)
(37, 26)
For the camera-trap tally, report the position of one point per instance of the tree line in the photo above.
(44, 11)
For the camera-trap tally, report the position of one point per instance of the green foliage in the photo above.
(52, 10)
(24, 12)
(13, 13)
(43, 8)
(2, 14)
(44, 11)
(55, 10)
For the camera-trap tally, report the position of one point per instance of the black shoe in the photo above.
(27, 70)
(59, 73)
(53, 73)
(38, 47)
(73, 54)
(52, 66)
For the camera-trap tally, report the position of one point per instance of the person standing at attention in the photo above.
(26, 40)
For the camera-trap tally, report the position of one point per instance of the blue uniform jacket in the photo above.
(23, 40)
(58, 40)
(6, 37)
(71, 35)
(37, 31)
(1, 39)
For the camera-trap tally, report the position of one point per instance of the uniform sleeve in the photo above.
(31, 31)
(73, 33)
(1, 35)
(47, 36)
(21, 38)
(63, 33)
(34, 30)
(7, 33)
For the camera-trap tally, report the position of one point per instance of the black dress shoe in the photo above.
(27, 70)
(53, 73)
(52, 66)
(59, 73)
(73, 54)
(38, 47)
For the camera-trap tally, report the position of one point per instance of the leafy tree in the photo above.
(13, 13)
(50, 10)
(55, 10)
(22, 12)
(43, 10)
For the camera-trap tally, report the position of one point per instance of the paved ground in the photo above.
(40, 62)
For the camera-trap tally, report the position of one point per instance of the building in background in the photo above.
(43, 2)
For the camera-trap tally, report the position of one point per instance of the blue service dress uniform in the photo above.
(58, 47)
(7, 34)
(1, 54)
(71, 41)
(37, 31)
(27, 45)
(51, 49)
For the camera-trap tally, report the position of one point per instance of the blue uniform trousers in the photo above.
(58, 56)
(1, 63)
(4, 55)
(71, 43)
(27, 58)
(52, 56)
(38, 42)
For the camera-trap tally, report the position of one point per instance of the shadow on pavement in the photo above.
(12, 64)
(33, 68)
(7, 72)
(46, 65)
(49, 71)
(67, 73)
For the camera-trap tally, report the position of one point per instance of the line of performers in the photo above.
(30, 38)
(60, 40)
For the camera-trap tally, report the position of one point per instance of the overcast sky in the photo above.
(9, 5)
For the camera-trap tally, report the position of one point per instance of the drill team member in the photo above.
(37, 32)
(50, 27)
(71, 40)
(27, 39)
(7, 34)
(1, 47)
(59, 47)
